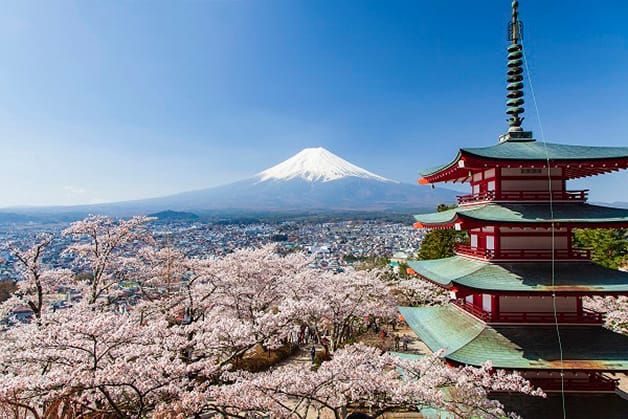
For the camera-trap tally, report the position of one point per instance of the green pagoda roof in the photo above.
(574, 213)
(435, 169)
(538, 150)
(469, 341)
(581, 276)
(532, 150)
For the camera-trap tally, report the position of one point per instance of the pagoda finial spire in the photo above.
(515, 101)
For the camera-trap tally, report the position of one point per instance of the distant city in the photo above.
(334, 245)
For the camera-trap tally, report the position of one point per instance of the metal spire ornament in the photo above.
(514, 102)
(515, 71)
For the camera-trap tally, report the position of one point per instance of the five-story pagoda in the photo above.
(518, 285)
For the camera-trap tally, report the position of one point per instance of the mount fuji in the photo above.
(316, 165)
(313, 179)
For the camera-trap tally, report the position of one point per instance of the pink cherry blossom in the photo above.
(36, 281)
(99, 248)
(418, 292)
(178, 349)
(615, 310)
(361, 378)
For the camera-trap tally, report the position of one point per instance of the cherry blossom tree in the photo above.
(417, 292)
(615, 310)
(211, 313)
(158, 272)
(103, 362)
(180, 349)
(360, 378)
(99, 248)
(89, 361)
(35, 280)
(340, 305)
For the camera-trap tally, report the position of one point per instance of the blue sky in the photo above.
(116, 100)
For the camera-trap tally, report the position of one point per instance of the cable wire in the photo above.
(553, 244)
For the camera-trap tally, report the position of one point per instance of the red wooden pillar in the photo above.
(495, 306)
(477, 300)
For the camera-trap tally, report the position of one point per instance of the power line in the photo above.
(553, 244)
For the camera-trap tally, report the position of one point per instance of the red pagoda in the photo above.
(517, 286)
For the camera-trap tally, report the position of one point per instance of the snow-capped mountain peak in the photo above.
(317, 165)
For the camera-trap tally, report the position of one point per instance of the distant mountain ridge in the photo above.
(313, 179)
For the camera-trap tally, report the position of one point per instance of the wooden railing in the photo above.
(476, 197)
(466, 250)
(540, 196)
(523, 254)
(584, 317)
(470, 308)
(579, 195)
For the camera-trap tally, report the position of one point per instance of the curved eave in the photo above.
(419, 269)
(539, 151)
(521, 278)
(446, 172)
(472, 159)
(573, 169)
(562, 290)
(436, 226)
(517, 215)
(442, 219)
(468, 221)
(469, 341)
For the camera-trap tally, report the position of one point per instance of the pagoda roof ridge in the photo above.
(528, 151)
(522, 277)
(526, 214)
(539, 150)
(470, 341)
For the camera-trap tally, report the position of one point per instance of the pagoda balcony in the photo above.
(583, 317)
(525, 196)
(522, 254)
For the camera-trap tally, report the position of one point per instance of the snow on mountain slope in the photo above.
(317, 165)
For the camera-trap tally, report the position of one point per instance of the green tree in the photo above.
(609, 247)
(439, 243)
(371, 262)
(403, 270)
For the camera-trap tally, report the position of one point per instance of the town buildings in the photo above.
(334, 243)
